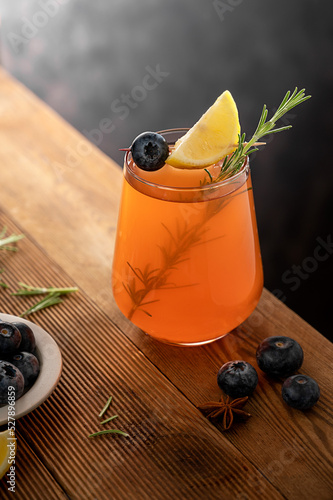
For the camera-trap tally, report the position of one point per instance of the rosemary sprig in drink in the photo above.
(174, 250)
(234, 162)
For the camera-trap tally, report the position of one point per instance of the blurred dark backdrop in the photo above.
(91, 60)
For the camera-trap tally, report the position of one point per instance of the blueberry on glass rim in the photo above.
(300, 392)
(149, 151)
(279, 356)
(237, 378)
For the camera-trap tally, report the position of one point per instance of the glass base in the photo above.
(186, 344)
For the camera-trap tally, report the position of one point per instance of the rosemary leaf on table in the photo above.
(6, 243)
(52, 298)
(34, 290)
(109, 419)
(106, 406)
(2, 284)
(52, 293)
(109, 431)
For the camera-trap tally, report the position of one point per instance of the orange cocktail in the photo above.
(187, 265)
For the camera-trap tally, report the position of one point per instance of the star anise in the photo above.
(225, 410)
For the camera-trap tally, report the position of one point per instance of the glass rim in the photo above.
(185, 189)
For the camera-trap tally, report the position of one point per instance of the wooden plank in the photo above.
(172, 449)
(292, 448)
(31, 477)
(73, 218)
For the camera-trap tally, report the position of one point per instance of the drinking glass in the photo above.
(187, 265)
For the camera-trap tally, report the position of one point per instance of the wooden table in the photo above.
(63, 194)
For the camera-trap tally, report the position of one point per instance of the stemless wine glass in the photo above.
(187, 266)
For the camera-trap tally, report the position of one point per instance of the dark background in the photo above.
(82, 57)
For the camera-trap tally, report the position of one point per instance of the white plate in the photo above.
(50, 361)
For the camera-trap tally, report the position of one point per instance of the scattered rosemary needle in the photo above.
(108, 431)
(107, 404)
(109, 419)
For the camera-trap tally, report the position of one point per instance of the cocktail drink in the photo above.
(187, 266)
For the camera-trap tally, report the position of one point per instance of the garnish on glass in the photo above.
(225, 410)
(233, 163)
(215, 138)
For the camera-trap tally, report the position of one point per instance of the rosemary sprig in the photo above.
(51, 300)
(52, 293)
(6, 243)
(233, 163)
(33, 290)
(2, 284)
(173, 251)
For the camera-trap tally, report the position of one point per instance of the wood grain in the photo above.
(64, 194)
(169, 438)
(31, 477)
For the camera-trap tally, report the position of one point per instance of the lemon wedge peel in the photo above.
(7, 454)
(214, 136)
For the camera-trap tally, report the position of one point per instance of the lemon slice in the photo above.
(7, 453)
(213, 137)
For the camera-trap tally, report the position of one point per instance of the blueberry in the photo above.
(10, 338)
(28, 342)
(149, 151)
(300, 392)
(279, 356)
(11, 381)
(237, 379)
(28, 365)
